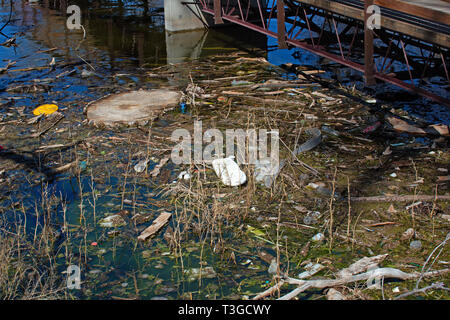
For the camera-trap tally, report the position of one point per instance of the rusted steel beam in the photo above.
(336, 58)
(281, 22)
(217, 12)
(369, 78)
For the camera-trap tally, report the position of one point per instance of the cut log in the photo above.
(159, 222)
(134, 107)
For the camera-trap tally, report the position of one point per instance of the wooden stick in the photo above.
(159, 222)
(269, 291)
(400, 198)
(372, 274)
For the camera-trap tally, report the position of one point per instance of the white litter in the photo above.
(311, 269)
(184, 175)
(228, 171)
(266, 170)
(140, 166)
(318, 237)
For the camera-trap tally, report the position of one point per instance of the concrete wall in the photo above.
(179, 18)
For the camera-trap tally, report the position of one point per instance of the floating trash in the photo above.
(415, 245)
(184, 175)
(311, 269)
(195, 273)
(318, 237)
(273, 267)
(312, 217)
(112, 221)
(45, 109)
(83, 165)
(266, 170)
(183, 107)
(140, 166)
(228, 171)
(86, 73)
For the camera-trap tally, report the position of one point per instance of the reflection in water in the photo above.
(182, 45)
(122, 33)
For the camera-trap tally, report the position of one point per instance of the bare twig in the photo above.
(386, 273)
(436, 285)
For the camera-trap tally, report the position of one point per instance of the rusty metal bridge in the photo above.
(410, 46)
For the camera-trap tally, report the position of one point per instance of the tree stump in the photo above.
(131, 108)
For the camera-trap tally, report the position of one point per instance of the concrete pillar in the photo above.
(178, 17)
(182, 46)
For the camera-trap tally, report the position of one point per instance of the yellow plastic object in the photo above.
(45, 109)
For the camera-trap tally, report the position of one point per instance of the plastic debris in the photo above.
(158, 167)
(387, 151)
(311, 269)
(86, 73)
(228, 171)
(312, 217)
(183, 107)
(318, 237)
(184, 175)
(415, 245)
(372, 127)
(196, 273)
(408, 234)
(45, 109)
(112, 221)
(273, 267)
(83, 165)
(239, 82)
(266, 170)
(140, 166)
(322, 190)
(330, 131)
(315, 140)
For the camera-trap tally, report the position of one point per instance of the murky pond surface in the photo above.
(123, 49)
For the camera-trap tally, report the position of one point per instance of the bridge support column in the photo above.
(369, 66)
(181, 17)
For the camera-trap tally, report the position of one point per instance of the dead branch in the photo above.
(400, 198)
(386, 273)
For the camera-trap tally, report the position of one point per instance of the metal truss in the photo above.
(379, 54)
